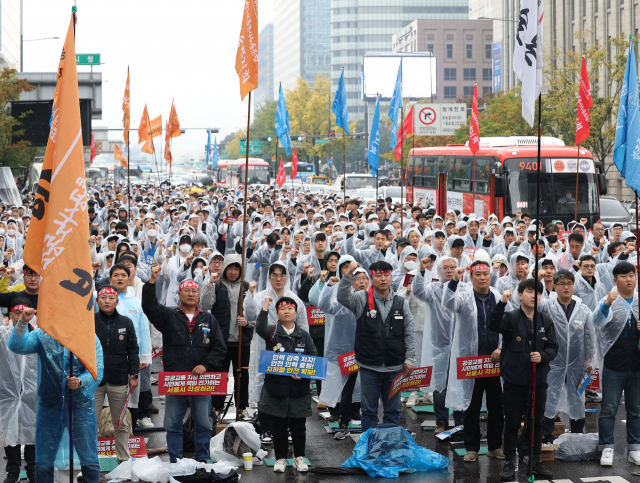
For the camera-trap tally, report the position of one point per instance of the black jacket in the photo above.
(183, 350)
(120, 349)
(221, 312)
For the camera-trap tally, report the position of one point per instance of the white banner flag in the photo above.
(528, 56)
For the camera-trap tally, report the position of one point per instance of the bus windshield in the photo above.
(557, 186)
(356, 182)
(257, 175)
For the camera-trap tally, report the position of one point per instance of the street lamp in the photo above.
(22, 41)
(499, 19)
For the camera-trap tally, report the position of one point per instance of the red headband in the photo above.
(379, 272)
(475, 268)
(283, 303)
(188, 283)
(19, 307)
(107, 290)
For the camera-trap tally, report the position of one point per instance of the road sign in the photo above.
(303, 136)
(330, 162)
(439, 119)
(321, 141)
(338, 135)
(88, 59)
(273, 157)
(255, 147)
(332, 134)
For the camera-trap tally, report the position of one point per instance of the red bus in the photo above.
(259, 172)
(220, 175)
(505, 179)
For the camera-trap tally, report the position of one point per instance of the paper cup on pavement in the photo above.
(248, 460)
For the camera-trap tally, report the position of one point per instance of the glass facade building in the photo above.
(265, 89)
(360, 26)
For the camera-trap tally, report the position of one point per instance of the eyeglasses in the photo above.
(279, 275)
(587, 266)
(564, 284)
(31, 275)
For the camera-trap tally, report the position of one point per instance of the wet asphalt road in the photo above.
(324, 451)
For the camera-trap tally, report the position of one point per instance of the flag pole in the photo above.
(473, 191)
(535, 301)
(70, 420)
(244, 251)
(577, 173)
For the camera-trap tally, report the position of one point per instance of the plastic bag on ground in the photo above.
(386, 452)
(248, 435)
(577, 447)
(155, 470)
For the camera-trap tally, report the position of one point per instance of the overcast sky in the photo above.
(181, 50)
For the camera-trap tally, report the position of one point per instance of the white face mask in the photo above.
(2, 231)
(318, 225)
(267, 232)
(152, 233)
(185, 248)
(11, 232)
(411, 265)
(197, 271)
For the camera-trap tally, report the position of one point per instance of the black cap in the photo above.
(185, 238)
(403, 241)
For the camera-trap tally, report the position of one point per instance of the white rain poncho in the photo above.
(252, 307)
(462, 303)
(400, 272)
(365, 257)
(609, 328)
(340, 337)
(576, 351)
(310, 258)
(438, 325)
(605, 272)
(18, 393)
(590, 296)
(511, 282)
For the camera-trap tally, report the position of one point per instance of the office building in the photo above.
(463, 51)
(265, 89)
(301, 30)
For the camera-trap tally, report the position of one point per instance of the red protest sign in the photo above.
(347, 363)
(479, 366)
(183, 383)
(315, 316)
(470, 252)
(563, 235)
(408, 278)
(137, 447)
(419, 377)
(595, 379)
(156, 352)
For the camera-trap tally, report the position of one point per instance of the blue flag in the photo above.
(374, 141)
(208, 146)
(215, 157)
(282, 123)
(340, 107)
(394, 107)
(626, 151)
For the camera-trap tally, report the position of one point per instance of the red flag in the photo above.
(584, 104)
(294, 164)
(407, 128)
(93, 149)
(282, 177)
(474, 129)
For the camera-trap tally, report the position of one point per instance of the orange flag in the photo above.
(167, 146)
(173, 126)
(126, 108)
(148, 147)
(143, 128)
(120, 157)
(247, 55)
(57, 246)
(156, 127)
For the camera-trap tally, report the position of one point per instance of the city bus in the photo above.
(305, 171)
(505, 179)
(259, 172)
(220, 175)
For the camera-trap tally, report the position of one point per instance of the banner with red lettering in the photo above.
(315, 316)
(478, 366)
(347, 363)
(563, 235)
(156, 352)
(595, 380)
(419, 377)
(137, 447)
(184, 383)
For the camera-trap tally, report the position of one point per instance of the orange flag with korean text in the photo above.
(126, 108)
(57, 247)
(167, 146)
(173, 126)
(143, 128)
(247, 55)
(120, 157)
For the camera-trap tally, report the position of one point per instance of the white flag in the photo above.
(528, 56)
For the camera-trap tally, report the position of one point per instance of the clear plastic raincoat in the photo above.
(609, 328)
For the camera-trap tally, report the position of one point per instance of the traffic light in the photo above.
(300, 138)
(269, 138)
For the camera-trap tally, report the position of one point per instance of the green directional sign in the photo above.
(255, 147)
(88, 59)
(321, 141)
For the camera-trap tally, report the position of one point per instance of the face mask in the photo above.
(318, 225)
(197, 271)
(152, 233)
(2, 231)
(185, 248)
(267, 232)
(410, 265)
(11, 232)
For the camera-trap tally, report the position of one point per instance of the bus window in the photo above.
(462, 174)
(483, 175)
(430, 172)
(410, 171)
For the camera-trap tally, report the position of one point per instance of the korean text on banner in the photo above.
(595, 380)
(247, 55)
(57, 247)
(419, 377)
(287, 364)
(478, 366)
(137, 447)
(184, 383)
(347, 363)
(315, 316)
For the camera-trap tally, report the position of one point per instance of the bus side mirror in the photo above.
(602, 184)
(342, 183)
(499, 186)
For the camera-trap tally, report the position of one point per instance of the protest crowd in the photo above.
(375, 289)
